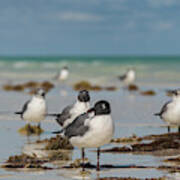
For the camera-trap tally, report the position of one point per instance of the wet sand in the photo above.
(132, 113)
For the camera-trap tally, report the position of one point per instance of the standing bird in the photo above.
(128, 78)
(63, 74)
(35, 109)
(170, 112)
(92, 129)
(70, 112)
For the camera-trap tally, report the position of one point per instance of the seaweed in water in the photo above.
(129, 178)
(24, 161)
(30, 130)
(56, 143)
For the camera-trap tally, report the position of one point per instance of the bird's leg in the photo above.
(98, 157)
(39, 125)
(83, 155)
(169, 129)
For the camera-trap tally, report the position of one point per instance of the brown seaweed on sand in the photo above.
(132, 87)
(148, 93)
(30, 86)
(24, 161)
(131, 139)
(56, 143)
(173, 160)
(88, 86)
(129, 178)
(160, 143)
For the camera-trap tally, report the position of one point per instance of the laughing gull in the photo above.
(128, 78)
(170, 112)
(35, 109)
(70, 112)
(92, 129)
(63, 74)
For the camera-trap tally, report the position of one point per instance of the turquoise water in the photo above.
(161, 70)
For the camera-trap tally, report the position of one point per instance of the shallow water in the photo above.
(132, 113)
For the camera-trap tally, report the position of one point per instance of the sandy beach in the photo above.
(131, 112)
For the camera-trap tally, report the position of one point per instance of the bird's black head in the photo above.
(83, 96)
(40, 92)
(175, 93)
(102, 108)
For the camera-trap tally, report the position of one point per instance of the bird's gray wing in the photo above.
(61, 118)
(23, 109)
(123, 77)
(164, 109)
(77, 127)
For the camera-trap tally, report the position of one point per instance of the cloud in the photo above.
(162, 26)
(78, 17)
(160, 3)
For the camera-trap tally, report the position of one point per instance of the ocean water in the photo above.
(157, 70)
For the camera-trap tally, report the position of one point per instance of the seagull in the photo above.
(170, 112)
(63, 74)
(92, 129)
(129, 77)
(70, 112)
(34, 110)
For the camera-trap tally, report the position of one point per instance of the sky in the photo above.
(89, 27)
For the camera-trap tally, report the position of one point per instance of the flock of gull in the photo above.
(90, 127)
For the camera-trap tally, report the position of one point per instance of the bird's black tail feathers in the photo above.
(58, 132)
(18, 113)
(54, 115)
(157, 114)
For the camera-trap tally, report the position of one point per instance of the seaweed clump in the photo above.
(159, 143)
(31, 86)
(132, 87)
(131, 139)
(17, 87)
(24, 161)
(173, 160)
(56, 143)
(129, 178)
(77, 163)
(148, 93)
(88, 86)
(30, 130)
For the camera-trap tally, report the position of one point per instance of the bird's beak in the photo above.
(56, 132)
(91, 110)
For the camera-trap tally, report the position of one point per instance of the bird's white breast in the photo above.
(36, 110)
(130, 77)
(78, 109)
(172, 114)
(101, 130)
(63, 74)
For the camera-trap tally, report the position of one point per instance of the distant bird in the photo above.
(70, 112)
(129, 77)
(35, 109)
(170, 112)
(92, 129)
(63, 74)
